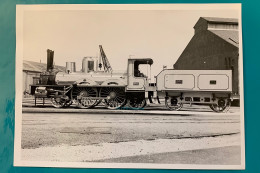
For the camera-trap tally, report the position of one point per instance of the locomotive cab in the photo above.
(138, 72)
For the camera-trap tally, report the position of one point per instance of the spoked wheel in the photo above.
(58, 102)
(86, 97)
(68, 103)
(136, 103)
(116, 97)
(172, 103)
(98, 102)
(221, 106)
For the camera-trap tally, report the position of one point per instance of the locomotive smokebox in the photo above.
(50, 55)
(70, 67)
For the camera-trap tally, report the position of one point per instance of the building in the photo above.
(32, 71)
(214, 46)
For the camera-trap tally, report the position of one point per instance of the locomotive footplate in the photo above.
(93, 98)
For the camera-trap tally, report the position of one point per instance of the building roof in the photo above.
(230, 36)
(225, 30)
(39, 67)
(204, 21)
(220, 20)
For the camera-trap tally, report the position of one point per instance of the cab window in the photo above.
(140, 70)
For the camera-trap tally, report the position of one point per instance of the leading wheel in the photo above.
(86, 97)
(115, 97)
(223, 105)
(58, 102)
(172, 103)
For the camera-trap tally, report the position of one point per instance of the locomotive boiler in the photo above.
(91, 86)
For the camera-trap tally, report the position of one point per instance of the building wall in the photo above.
(207, 51)
(24, 80)
(223, 26)
(28, 79)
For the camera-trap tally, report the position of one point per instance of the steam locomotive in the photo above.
(97, 83)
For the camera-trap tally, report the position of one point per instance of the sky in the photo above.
(73, 34)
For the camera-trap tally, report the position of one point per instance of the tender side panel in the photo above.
(213, 82)
(194, 80)
(179, 81)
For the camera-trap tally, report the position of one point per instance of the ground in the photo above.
(195, 135)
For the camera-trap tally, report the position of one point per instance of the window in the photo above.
(140, 69)
(212, 82)
(178, 81)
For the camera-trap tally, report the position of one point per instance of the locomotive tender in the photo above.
(90, 86)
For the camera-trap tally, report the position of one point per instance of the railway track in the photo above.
(29, 103)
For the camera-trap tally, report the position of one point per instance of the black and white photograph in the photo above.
(154, 86)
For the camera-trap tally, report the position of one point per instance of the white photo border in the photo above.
(20, 9)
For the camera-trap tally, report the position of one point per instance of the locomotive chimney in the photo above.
(50, 55)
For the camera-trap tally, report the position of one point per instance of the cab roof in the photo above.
(142, 60)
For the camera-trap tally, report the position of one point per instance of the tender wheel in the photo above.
(58, 102)
(116, 97)
(172, 103)
(221, 106)
(136, 103)
(85, 97)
